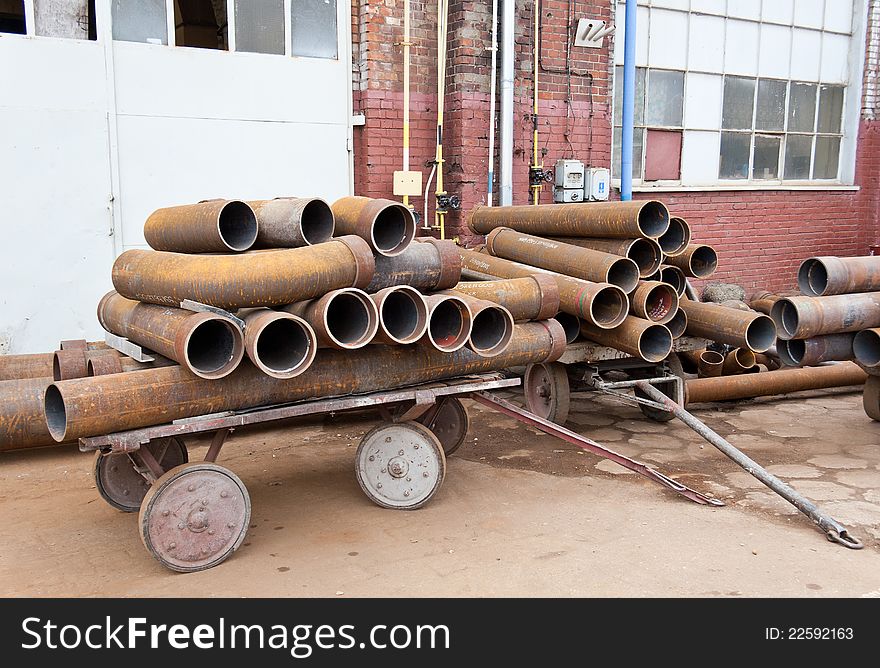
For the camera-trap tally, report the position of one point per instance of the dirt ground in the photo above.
(519, 514)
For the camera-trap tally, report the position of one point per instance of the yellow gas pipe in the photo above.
(536, 166)
(406, 45)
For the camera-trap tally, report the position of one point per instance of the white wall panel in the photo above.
(683, 5)
(806, 49)
(702, 103)
(744, 9)
(708, 6)
(668, 43)
(835, 58)
(775, 56)
(810, 13)
(699, 157)
(641, 36)
(741, 48)
(839, 15)
(778, 11)
(705, 43)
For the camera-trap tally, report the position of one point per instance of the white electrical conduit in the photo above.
(492, 86)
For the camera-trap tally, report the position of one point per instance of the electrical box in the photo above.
(570, 174)
(598, 183)
(568, 195)
(407, 183)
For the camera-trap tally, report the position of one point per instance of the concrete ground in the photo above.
(519, 514)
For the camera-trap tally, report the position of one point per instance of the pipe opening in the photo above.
(812, 277)
(866, 347)
(678, 325)
(393, 229)
(571, 325)
(56, 413)
(609, 307)
(660, 301)
(449, 325)
(744, 357)
(647, 256)
(676, 238)
(704, 261)
(760, 334)
(674, 277)
(316, 222)
(349, 320)
(653, 219)
(791, 352)
(237, 224)
(655, 343)
(491, 332)
(284, 345)
(785, 315)
(403, 317)
(624, 273)
(211, 346)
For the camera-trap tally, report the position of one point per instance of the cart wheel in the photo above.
(547, 391)
(871, 397)
(118, 481)
(657, 414)
(400, 466)
(450, 424)
(195, 516)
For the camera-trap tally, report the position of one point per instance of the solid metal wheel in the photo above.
(547, 392)
(871, 397)
(450, 424)
(657, 414)
(400, 466)
(195, 516)
(118, 481)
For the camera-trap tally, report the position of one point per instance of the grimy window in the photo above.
(12, 18)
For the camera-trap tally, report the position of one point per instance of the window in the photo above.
(12, 17)
(313, 28)
(259, 26)
(139, 21)
(70, 19)
(201, 24)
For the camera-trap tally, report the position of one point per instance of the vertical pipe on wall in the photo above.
(536, 189)
(629, 93)
(507, 69)
(492, 84)
(406, 45)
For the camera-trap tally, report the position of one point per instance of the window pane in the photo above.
(664, 106)
(139, 21)
(201, 24)
(12, 17)
(830, 108)
(639, 105)
(771, 105)
(313, 28)
(638, 139)
(663, 155)
(801, 108)
(70, 19)
(734, 155)
(739, 101)
(259, 26)
(797, 156)
(766, 162)
(827, 155)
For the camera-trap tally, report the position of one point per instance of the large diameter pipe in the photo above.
(783, 381)
(22, 423)
(491, 325)
(280, 344)
(215, 226)
(403, 315)
(18, 367)
(608, 220)
(602, 304)
(260, 278)
(95, 406)
(207, 344)
(646, 253)
(696, 261)
(654, 301)
(814, 351)
(431, 265)
(677, 238)
(449, 323)
(640, 338)
(532, 298)
(388, 226)
(866, 347)
(738, 360)
(583, 263)
(763, 301)
(821, 276)
(291, 222)
(346, 319)
(741, 329)
(806, 317)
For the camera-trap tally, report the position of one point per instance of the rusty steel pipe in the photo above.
(104, 365)
(763, 301)
(449, 322)
(654, 301)
(214, 226)
(696, 261)
(646, 253)
(22, 423)
(650, 341)
(677, 238)
(818, 349)
(67, 364)
(740, 329)
(207, 344)
(279, 344)
(491, 325)
(583, 263)
(678, 325)
(866, 347)
(770, 383)
(106, 404)
(388, 226)
(614, 220)
(291, 222)
(603, 304)
(738, 360)
(673, 276)
(403, 315)
(822, 276)
(430, 264)
(710, 364)
(19, 367)
(346, 319)
(259, 278)
(532, 298)
(806, 317)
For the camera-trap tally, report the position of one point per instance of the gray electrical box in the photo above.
(570, 174)
(568, 195)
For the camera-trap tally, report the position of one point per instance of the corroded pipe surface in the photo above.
(430, 264)
(740, 329)
(95, 406)
(710, 364)
(403, 315)
(388, 226)
(654, 301)
(738, 360)
(602, 304)
(584, 263)
(866, 347)
(646, 253)
(215, 226)
(678, 325)
(640, 338)
(346, 318)
(103, 365)
(491, 325)
(209, 345)
(533, 298)
(814, 351)
(22, 424)
(19, 367)
(783, 381)
(449, 322)
(615, 220)
(259, 278)
(763, 301)
(677, 238)
(291, 222)
(67, 364)
(806, 317)
(820, 276)
(697, 261)
(280, 344)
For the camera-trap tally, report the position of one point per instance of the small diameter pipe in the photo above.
(215, 226)
(866, 347)
(279, 344)
(738, 360)
(388, 226)
(696, 261)
(449, 323)
(640, 338)
(677, 238)
(711, 364)
(814, 351)
(741, 329)
(821, 276)
(646, 253)
(345, 319)
(654, 301)
(292, 222)
(67, 364)
(678, 325)
(806, 317)
(492, 326)
(403, 315)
